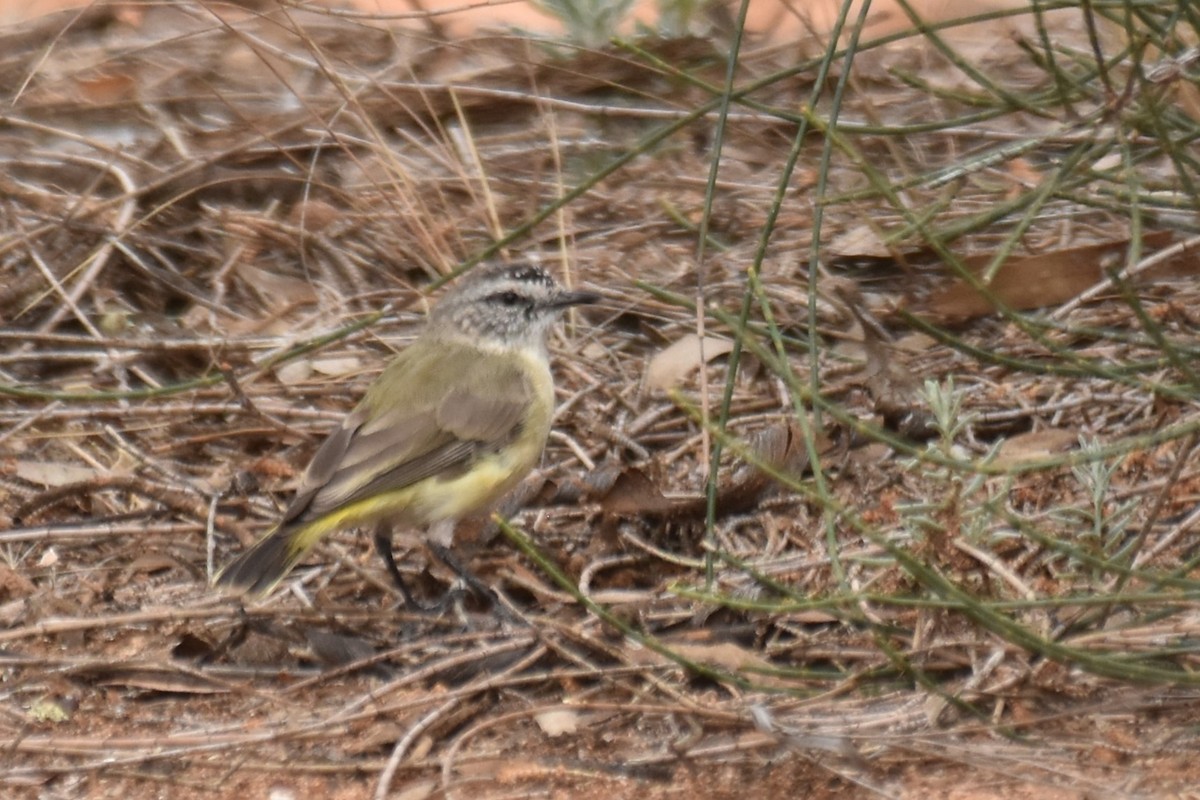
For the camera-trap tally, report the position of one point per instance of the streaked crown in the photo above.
(513, 305)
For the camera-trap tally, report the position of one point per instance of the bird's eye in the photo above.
(509, 298)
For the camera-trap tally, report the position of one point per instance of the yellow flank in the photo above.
(440, 498)
(457, 419)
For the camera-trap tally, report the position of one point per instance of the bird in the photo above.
(456, 420)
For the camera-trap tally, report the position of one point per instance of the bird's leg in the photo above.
(443, 554)
(383, 546)
(469, 579)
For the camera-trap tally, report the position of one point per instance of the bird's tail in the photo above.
(265, 564)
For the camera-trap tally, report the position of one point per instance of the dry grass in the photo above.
(218, 222)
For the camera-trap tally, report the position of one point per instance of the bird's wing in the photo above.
(382, 448)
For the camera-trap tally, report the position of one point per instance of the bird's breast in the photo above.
(494, 472)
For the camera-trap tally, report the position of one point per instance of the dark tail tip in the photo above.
(261, 567)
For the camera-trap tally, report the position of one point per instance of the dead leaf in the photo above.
(106, 88)
(294, 372)
(631, 491)
(158, 679)
(417, 790)
(149, 563)
(314, 215)
(276, 290)
(1026, 448)
(668, 367)
(723, 655)
(558, 721)
(1048, 279)
(780, 447)
(915, 342)
(595, 351)
(336, 367)
(861, 241)
(52, 473)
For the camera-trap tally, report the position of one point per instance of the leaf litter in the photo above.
(217, 225)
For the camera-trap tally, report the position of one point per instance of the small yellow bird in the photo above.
(451, 425)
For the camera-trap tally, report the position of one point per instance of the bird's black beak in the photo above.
(573, 298)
